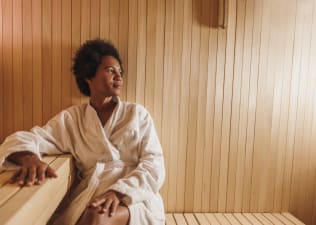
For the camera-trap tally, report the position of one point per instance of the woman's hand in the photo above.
(32, 171)
(107, 202)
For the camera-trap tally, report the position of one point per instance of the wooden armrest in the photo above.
(35, 205)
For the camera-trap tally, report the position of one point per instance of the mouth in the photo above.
(117, 85)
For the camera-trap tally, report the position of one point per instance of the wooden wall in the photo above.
(235, 108)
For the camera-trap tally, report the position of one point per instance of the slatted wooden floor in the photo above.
(231, 219)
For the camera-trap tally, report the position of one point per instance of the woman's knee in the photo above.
(92, 216)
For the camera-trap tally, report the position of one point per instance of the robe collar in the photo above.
(93, 123)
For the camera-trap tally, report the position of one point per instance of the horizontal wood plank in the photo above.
(231, 219)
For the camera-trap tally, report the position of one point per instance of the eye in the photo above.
(110, 69)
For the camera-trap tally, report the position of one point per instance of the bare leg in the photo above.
(92, 216)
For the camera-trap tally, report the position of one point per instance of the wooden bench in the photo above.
(35, 205)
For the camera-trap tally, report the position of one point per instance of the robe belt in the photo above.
(118, 163)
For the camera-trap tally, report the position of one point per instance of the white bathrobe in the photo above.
(125, 155)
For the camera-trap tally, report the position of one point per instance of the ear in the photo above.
(88, 81)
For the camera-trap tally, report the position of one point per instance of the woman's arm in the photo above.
(24, 148)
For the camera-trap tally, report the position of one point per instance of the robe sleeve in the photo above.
(53, 138)
(148, 177)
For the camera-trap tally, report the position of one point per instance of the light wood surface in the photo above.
(235, 108)
(231, 219)
(19, 205)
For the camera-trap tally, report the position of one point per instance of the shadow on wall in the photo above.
(207, 12)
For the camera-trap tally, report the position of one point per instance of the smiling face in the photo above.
(108, 79)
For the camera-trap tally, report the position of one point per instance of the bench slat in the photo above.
(231, 219)
(242, 219)
(283, 219)
(170, 220)
(179, 217)
(201, 219)
(212, 219)
(262, 219)
(5, 176)
(222, 219)
(273, 219)
(293, 219)
(190, 219)
(252, 219)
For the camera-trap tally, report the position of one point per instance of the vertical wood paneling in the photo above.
(210, 102)
(95, 18)
(75, 43)
(66, 54)
(56, 56)
(201, 108)
(310, 193)
(104, 18)
(141, 52)
(184, 103)
(167, 113)
(263, 116)
(27, 51)
(130, 78)
(123, 38)
(18, 95)
(85, 29)
(37, 60)
(47, 60)
(279, 191)
(193, 99)
(160, 25)
(1, 76)
(242, 164)
(299, 89)
(7, 54)
(288, 102)
(227, 105)
(234, 154)
(218, 116)
(235, 108)
(252, 104)
(114, 21)
(303, 128)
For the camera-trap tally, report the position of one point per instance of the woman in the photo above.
(114, 144)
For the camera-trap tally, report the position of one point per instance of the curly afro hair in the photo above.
(87, 60)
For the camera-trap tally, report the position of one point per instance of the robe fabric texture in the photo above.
(125, 155)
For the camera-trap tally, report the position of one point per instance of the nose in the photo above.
(118, 75)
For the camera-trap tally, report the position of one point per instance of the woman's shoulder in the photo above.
(135, 108)
(71, 112)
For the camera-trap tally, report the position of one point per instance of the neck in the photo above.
(101, 104)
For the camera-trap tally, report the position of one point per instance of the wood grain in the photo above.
(234, 108)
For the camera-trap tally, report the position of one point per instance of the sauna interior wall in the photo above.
(235, 108)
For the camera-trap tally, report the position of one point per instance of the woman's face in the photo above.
(108, 79)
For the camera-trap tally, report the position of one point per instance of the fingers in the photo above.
(31, 177)
(20, 179)
(114, 206)
(32, 174)
(14, 176)
(40, 175)
(50, 172)
(108, 202)
(98, 202)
